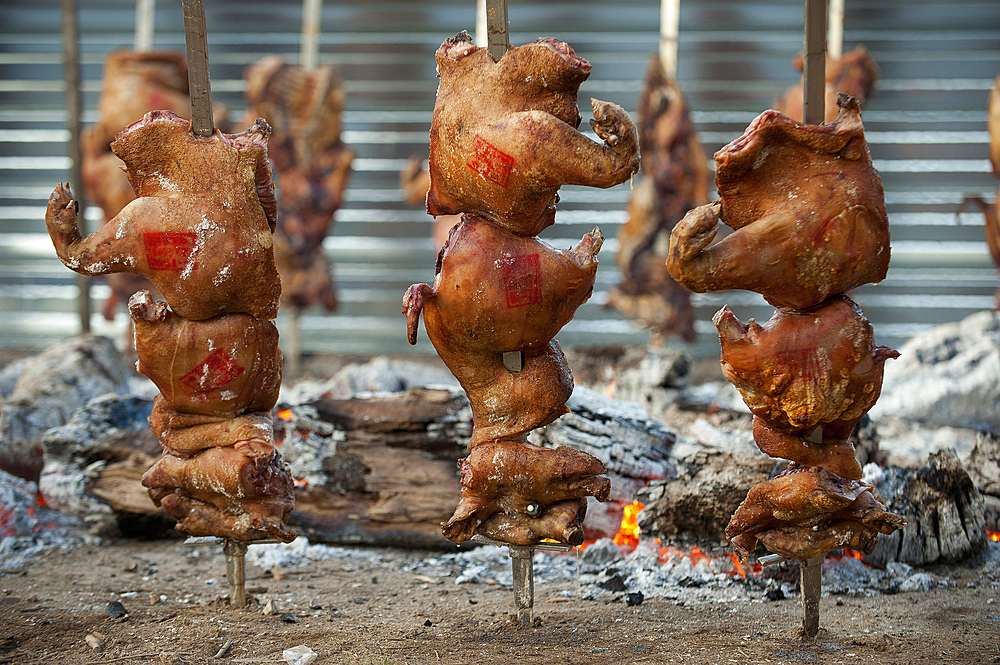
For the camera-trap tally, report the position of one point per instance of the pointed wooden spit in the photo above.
(197, 57)
(145, 19)
(814, 62)
(497, 28)
(670, 17)
(522, 567)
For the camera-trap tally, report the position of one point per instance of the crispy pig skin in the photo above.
(495, 292)
(220, 492)
(807, 209)
(507, 477)
(804, 369)
(562, 521)
(504, 136)
(201, 228)
(807, 497)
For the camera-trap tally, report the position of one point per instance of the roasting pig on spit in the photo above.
(200, 231)
(674, 180)
(312, 163)
(809, 220)
(504, 139)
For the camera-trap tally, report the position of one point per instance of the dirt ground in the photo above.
(378, 612)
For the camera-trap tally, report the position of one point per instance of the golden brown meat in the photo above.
(808, 376)
(134, 83)
(496, 292)
(807, 209)
(562, 521)
(220, 492)
(218, 378)
(993, 124)
(201, 227)
(523, 481)
(303, 108)
(414, 180)
(674, 180)
(854, 74)
(807, 498)
(504, 135)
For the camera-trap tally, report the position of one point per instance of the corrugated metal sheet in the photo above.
(926, 127)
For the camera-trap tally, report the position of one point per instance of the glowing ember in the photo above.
(994, 536)
(285, 414)
(628, 533)
(300, 483)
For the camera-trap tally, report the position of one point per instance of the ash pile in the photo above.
(374, 449)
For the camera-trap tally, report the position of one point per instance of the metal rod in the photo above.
(835, 30)
(74, 105)
(814, 63)
(497, 28)
(197, 57)
(524, 582)
(513, 361)
(810, 584)
(312, 18)
(235, 552)
(145, 19)
(670, 16)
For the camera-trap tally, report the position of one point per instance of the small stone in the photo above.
(277, 572)
(288, 617)
(268, 608)
(428, 623)
(775, 594)
(633, 599)
(300, 655)
(614, 583)
(115, 610)
(95, 640)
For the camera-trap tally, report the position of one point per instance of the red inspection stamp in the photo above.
(170, 250)
(490, 163)
(215, 371)
(522, 278)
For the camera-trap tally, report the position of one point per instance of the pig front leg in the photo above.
(100, 253)
(562, 521)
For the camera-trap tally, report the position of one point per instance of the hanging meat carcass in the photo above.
(312, 164)
(675, 180)
(498, 290)
(134, 83)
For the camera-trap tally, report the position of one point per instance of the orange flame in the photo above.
(285, 414)
(994, 536)
(300, 483)
(628, 532)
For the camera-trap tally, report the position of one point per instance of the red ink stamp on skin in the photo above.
(802, 363)
(490, 163)
(170, 250)
(215, 371)
(522, 279)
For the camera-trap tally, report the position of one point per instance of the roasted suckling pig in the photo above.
(134, 83)
(674, 180)
(854, 74)
(804, 510)
(504, 135)
(807, 209)
(200, 230)
(303, 107)
(504, 139)
(808, 376)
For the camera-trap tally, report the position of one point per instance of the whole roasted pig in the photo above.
(674, 180)
(201, 228)
(807, 211)
(804, 509)
(808, 376)
(303, 107)
(504, 135)
(497, 292)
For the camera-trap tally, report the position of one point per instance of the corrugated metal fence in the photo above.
(926, 125)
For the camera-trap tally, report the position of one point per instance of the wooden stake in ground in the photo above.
(197, 56)
(74, 104)
(670, 16)
(814, 62)
(145, 20)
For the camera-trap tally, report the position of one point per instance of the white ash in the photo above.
(308, 440)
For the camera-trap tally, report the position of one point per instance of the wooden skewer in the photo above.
(670, 16)
(497, 28)
(835, 30)
(197, 57)
(312, 19)
(481, 22)
(145, 19)
(74, 107)
(814, 62)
